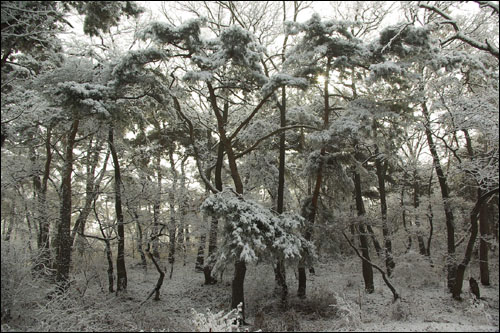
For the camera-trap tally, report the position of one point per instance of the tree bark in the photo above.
(172, 225)
(451, 262)
(121, 271)
(416, 204)
(474, 215)
(42, 210)
(238, 295)
(381, 168)
(280, 273)
(301, 292)
(484, 230)
(63, 255)
(156, 210)
(360, 207)
(212, 236)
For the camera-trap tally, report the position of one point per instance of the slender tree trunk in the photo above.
(280, 273)
(121, 271)
(212, 236)
(430, 217)
(42, 210)
(201, 252)
(183, 211)
(140, 239)
(172, 225)
(63, 256)
(366, 267)
(381, 173)
(239, 266)
(301, 292)
(90, 189)
(156, 209)
(416, 204)
(11, 223)
(483, 244)
(451, 261)
(376, 244)
(200, 258)
(402, 203)
(483, 225)
(474, 215)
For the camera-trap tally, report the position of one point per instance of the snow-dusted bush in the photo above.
(411, 263)
(253, 232)
(348, 312)
(217, 322)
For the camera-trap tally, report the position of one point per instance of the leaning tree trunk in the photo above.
(63, 238)
(121, 271)
(451, 262)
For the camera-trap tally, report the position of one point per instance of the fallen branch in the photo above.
(387, 282)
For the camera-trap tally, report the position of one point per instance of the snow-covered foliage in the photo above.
(283, 79)
(130, 67)
(217, 322)
(405, 39)
(186, 34)
(323, 39)
(83, 96)
(253, 232)
(101, 16)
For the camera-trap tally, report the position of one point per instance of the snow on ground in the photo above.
(335, 301)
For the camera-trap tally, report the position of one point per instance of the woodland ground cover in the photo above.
(336, 300)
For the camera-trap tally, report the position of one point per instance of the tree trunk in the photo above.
(63, 256)
(451, 262)
(172, 226)
(280, 273)
(156, 209)
(140, 239)
(201, 253)
(484, 230)
(360, 207)
(238, 295)
(416, 204)
(430, 217)
(301, 292)
(41, 213)
(376, 244)
(121, 272)
(183, 206)
(381, 170)
(212, 236)
(474, 215)
(91, 186)
(239, 266)
(483, 225)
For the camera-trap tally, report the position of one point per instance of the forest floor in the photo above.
(335, 301)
